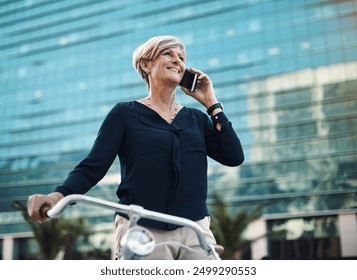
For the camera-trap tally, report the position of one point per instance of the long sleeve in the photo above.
(93, 168)
(223, 146)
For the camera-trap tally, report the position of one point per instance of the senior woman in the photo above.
(162, 147)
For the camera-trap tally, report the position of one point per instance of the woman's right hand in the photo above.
(38, 204)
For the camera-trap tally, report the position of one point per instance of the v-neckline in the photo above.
(156, 113)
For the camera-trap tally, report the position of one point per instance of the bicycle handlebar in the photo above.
(129, 209)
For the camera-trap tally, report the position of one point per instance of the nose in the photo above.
(175, 58)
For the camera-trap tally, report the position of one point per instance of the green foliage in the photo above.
(229, 228)
(55, 234)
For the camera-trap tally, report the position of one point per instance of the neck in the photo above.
(164, 103)
(164, 98)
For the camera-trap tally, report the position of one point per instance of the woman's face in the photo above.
(168, 66)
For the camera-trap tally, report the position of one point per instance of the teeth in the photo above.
(173, 69)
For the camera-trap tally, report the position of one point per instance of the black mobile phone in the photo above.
(189, 80)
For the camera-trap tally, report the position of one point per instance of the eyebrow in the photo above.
(170, 49)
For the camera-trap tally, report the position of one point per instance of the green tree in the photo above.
(229, 228)
(55, 235)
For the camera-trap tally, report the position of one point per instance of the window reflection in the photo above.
(305, 238)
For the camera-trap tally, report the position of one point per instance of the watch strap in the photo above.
(213, 107)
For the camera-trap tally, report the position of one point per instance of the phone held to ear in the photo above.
(189, 80)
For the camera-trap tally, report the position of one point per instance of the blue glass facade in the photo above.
(285, 70)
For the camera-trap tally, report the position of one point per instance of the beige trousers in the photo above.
(181, 235)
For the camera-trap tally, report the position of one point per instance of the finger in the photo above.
(194, 70)
(35, 205)
(31, 206)
(40, 215)
(202, 77)
(36, 216)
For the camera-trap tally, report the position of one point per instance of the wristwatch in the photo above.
(213, 107)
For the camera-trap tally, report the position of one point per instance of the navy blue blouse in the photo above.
(163, 166)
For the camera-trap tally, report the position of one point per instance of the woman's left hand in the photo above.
(204, 92)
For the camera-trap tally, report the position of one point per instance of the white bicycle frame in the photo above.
(135, 213)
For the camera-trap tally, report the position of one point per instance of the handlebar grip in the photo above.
(43, 211)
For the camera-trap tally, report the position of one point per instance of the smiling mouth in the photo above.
(173, 70)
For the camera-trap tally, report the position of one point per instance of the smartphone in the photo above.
(189, 80)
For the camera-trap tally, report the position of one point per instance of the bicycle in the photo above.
(138, 241)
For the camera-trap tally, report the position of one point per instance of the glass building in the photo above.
(285, 70)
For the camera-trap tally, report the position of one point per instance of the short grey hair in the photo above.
(150, 50)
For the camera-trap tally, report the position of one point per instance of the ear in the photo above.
(145, 65)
